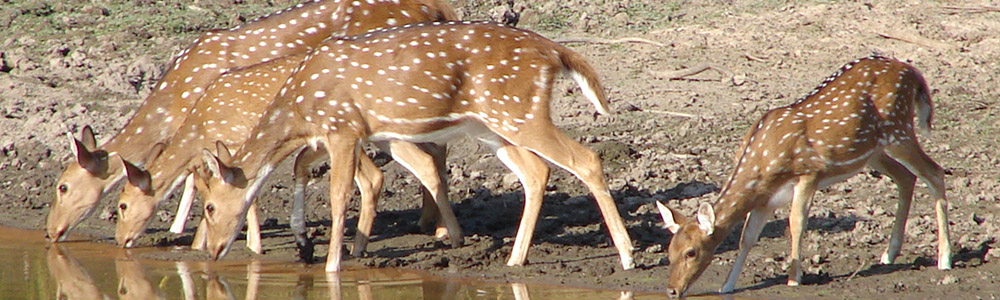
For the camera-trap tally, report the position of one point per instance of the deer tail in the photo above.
(585, 76)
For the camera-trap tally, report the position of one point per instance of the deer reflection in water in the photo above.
(189, 280)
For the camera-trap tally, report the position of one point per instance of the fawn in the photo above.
(862, 115)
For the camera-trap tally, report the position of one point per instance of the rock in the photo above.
(620, 19)
(992, 253)
(510, 180)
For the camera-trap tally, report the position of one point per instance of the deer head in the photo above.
(137, 202)
(218, 178)
(79, 187)
(692, 247)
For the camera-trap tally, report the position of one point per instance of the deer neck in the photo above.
(278, 134)
(168, 171)
(754, 184)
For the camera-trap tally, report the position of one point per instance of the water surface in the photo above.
(30, 269)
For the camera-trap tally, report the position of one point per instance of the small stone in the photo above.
(655, 248)
(817, 259)
(165, 216)
(739, 79)
(949, 279)
(108, 214)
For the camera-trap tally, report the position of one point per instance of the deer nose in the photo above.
(672, 293)
(215, 254)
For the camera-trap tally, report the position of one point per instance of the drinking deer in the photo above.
(294, 30)
(862, 115)
(427, 83)
(225, 115)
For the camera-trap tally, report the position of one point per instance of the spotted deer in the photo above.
(424, 83)
(229, 109)
(294, 30)
(861, 116)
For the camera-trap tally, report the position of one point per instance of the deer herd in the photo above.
(322, 78)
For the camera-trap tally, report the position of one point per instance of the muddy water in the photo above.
(29, 269)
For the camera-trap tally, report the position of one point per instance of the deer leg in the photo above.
(297, 221)
(253, 229)
(520, 291)
(916, 161)
(200, 240)
(904, 183)
(184, 207)
(430, 219)
(343, 160)
(422, 165)
(533, 174)
(751, 233)
(429, 212)
(253, 279)
(369, 181)
(548, 142)
(187, 282)
(798, 217)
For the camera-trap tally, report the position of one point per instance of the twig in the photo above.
(681, 74)
(671, 113)
(607, 41)
(974, 10)
(754, 58)
(863, 263)
(916, 39)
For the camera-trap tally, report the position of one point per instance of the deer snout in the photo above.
(216, 252)
(125, 243)
(125, 240)
(56, 235)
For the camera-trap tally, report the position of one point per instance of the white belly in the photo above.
(471, 128)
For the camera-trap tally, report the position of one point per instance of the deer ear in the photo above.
(223, 152)
(668, 218)
(136, 176)
(216, 166)
(706, 218)
(90, 161)
(87, 137)
(155, 152)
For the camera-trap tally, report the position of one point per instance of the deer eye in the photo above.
(122, 206)
(63, 188)
(690, 253)
(210, 208)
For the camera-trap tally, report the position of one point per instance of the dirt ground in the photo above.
(78, 62)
